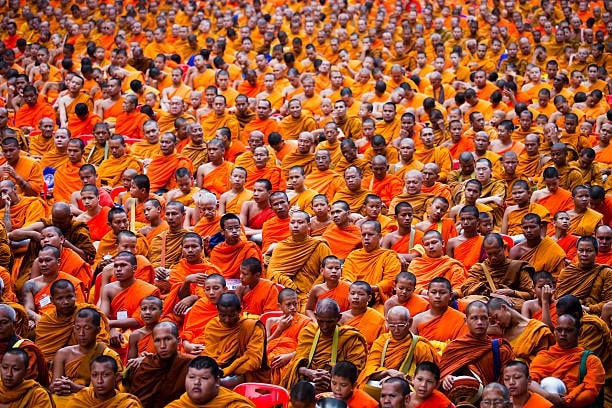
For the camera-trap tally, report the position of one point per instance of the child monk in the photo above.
(231, 201)
(405, 283)
(303, 395)
(344, 386)
(368, 321)
(561, 222)
(406, 240)
(126, 180)
(332, 287)
(257, 295)
(140, 193)
(95, 215)
(283, 333)
(321, 219)
(141, 340)
(425, 382)
(156, 225)
(544, 306)
(185, 189)
(436, 219)
(202, 311)
(372, 207)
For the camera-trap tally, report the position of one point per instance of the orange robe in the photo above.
(444, 328)
(469, 251)
(30, 170)
(98, 225)
(218, 180)
(161, 170)
(547, 256)
(198, 154)
(343, 240)
(29, 391)
(535, 337)
(378, 267)
(87, 398)
(274, 230)
(403, 245)
(39, 144)
(66, 181)
(273, 174)
(197, 319)
(325, 182)
(42, 298)
(590, 285)
(111, 169)
(262, 298)
(53, 158)
(72, 264)
(108, 246)
(30, 116)
(229, 257)
(224, 399)
(584, 224)
(370, 324)
(114, 110)
(340, 294)
(128, 300)
(426, 269)
(285, 343)
(235, 204)
(145, 150)
(439, 400)
(27, 211)
(386, 189)
(78, 127)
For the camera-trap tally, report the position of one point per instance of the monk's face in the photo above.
(322, 160)
(117, 148)
(404, 217)
(64, 301)
(437, 210)
(192, 250)
(11, 153)
(201, 385)
(434, 247)
(124, 270)
(327, 321)
(296, 179)
(520, 195)
(167, 143)
(494, 394)
(413, 183)
(90, 200)
(566, 332)
(424, 383)
(370, 237)
(103, 380)
(166, 343)
(352, 179)
(85, 331)
(332, 270)
(391, 396)
(7, 326)
(151, 211)
(231, 231)
(468, 221)
(87, 178)
(213, 289)
(228, 315)
(586, 253)
(184, 184)
(280, 205)
(289, 305)
(340, 216)
(320, 207)
(531, 229)
(581, 199)
(49, 264)
(150, 311)
(439, 295)
(174, 216)
(501, 317)
(604, 238)
(516, 381)
(495, 252)
(373, 208)
(215, 151)
(358, 297)
(404, 288)
(477, 320)
(299, 225)
(261, 157)
(248, 278)
(13, 370)
(50, 237)
(119, 222)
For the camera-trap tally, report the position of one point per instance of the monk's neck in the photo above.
(87, 348)
(323, 218)
(560, 233)
(358, 311)
(50, 278)
(94, 211)
(470, 234)
(331, 285)
(127, 282)
(438, 311)
(238, 190)
(520, 400)
(156, 222)
(263, 205)
(252, 286)
(404, 231)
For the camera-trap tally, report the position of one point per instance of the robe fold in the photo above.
(402, 246)
(145, 150)
(262, 298)
(444, 328)
(196, 320)
(162, 168)
(355, 199)
(511, 274)
(378, 267)
(87, 398)
(30, 170)
(326, 182)
(27, 394)
(285, 343)
(438, 400)
(129, 299)
(273, 174)
(218, 180)
(547, 256)
(535, 337)
(592, 285)
(584, 224)
(42, 298)
(79, 369)
(111, 169)
(469, 251)
(395, 354)
(426, 269)
(224, 399)
(229, 257)
(66, 181)
(198, 154)
(343, 240)
(370, 324)
(167, 248)
(27, 211)
(98, 224)
(418, 201)
(273, 231)
(235, 204)
(339, 294)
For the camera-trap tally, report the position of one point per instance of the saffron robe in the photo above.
(196, 319)
(339, 294)
(547, 256)
(224, 399)
(325, 182)
(229, 257)
(469, 252)
(593, 285)
(285, 343)
(162, 168)
(27, 394)
(111, 169)
(426, 269)
(218, 180)
(129, 299)
(42, 298)
(167, 248)
(274, 230)
(584, 224)
(87, 398)
(260, 299)
(444, 328)
(66, 181)
(378, 267)
(343, 240)
(535, 337)
(511, 274)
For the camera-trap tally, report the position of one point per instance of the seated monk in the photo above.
(368, 321)
(301, 197)
(526, 336)
(185, 190)
(318, 342)
(206, 216)
(343, 236)
(344, 386)
(262, 170)
(103, 393)
(111, 169)
(322, 219)
(566, 241)
(215, 175)
(384, 185)
(296, 261)
(544, 254)
(97, 149)
(165, 251)
(28, 116)
(210, 394)
(373, 264)
(9, 340)
(499, 276)
(140, 192)
(202, 311)
(72, 364)
(36, 292)
(19, 211)
(473, 352)
(352, 193)
(89, 177)
(160, 378)
(255, 212)
(25, 172)
(233, 250)
(231, 201)
(332, 287)
(467, 247)
(283, 333)
(95, 215)
(323, 179)
(521, 195)
(544, 306)
(583, 220)
(372, 209)
(66, 178)
(153, 211)
(435, 264)
(70, 262)
(436, 219)
(129, 122)
(55, 329)
(406, 241)
(120, 300)
(563, 361)
(58, 154)
(40, 143)
(15, 388)
(396, 353)
(237, 343)
(516, 376)
(586, 279)
(274, 230)
(426, 379)
(405, 284)
(148, 148)
(162, 167)
(552, 196)
(257, 295)
(195, 150)
(141, 340)
(413, 182)
(428, 324)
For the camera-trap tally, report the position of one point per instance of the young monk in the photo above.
(255, 212)
(372, 207)
(511, 221)
(321, 219)
(405, 284)
(95, 215)
(256, 295)
(332, 287)
(436, 219)
(344, 386)
(139, 193)
(343, 236)
(231, 201)
(441, 323)
(303, 395)
(141, 340)
(283, 333)
(126, 180)
(567, 242)
(202, 311)
(156, 225)
(365, 319)
(467, 247)
(544, 306)
(89, 177)
(184, 190)
(404, 241)
(425, 382)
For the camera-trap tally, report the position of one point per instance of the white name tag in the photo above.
(45, 301)
(122, 315)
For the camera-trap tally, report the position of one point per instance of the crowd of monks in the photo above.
(396, 204)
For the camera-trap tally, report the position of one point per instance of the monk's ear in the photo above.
(118, 378)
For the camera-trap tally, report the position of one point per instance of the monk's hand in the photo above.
(181, 307)
(134, 362)
(8, 170)
(557, 400)
(61, 386)
(448, 382)
(281, 361)
(197, 278)
(504, 297)
(504, 292)
(392, 373)
(547, 294)
(115, 338)
(193, 348)
(322, 380)
(6, 200)
(161, 273)
(284, 322)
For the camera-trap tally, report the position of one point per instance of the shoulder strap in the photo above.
(583, 365)
(383, 355)
(496, 358)
(18, 343)
(411, 241)
(162, 260)
(315, 342)
(405, 367)
(489, 278)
